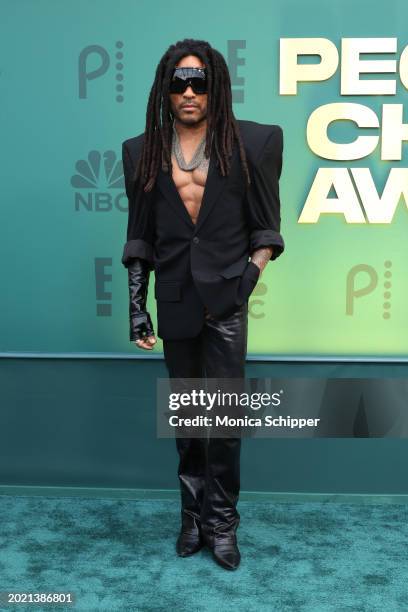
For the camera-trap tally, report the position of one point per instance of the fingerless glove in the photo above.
(139, 319)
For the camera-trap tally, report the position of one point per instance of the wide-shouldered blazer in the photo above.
(207, 263)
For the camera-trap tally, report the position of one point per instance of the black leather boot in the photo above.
(191, 473)
(225, 550)
(190, 539)
(183, 361)
(224, 349)
(219, 515)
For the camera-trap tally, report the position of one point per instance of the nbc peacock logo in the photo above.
(99, 183)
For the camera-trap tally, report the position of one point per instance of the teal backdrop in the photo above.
(77, 401)
(74, 83)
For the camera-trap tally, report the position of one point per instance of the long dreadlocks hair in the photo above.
(222, 126)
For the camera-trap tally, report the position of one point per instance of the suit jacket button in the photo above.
(196, 240)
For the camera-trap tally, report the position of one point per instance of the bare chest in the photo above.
(190, 185)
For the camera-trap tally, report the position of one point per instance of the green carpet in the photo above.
(120, 555)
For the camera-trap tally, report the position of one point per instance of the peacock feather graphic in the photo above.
(89, 171)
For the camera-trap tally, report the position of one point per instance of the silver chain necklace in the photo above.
(198, 160)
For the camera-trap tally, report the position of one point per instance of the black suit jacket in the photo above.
(206, 264)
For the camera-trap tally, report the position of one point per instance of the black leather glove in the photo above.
(248, 281)
(140, 322)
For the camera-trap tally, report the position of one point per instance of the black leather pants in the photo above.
(209, 468)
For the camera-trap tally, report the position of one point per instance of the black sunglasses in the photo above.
(183, 77)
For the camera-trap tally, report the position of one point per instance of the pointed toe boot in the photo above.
(225, 551)
(189, 541)
(191, 473)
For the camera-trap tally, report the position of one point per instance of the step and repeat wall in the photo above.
(74, 83)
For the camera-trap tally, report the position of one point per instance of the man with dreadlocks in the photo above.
(204, 214)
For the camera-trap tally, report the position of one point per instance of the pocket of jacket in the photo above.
(167, 291)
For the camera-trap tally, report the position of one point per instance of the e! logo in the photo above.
(234, 61)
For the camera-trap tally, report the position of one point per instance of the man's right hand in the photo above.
(141, 329)
(147, 343)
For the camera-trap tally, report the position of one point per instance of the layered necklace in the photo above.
(198, 160)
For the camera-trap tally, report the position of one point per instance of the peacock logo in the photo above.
(95, 178)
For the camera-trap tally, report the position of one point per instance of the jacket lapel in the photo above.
(213, 187)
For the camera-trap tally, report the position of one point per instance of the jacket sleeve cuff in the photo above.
(265, 238)
(137, 248)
